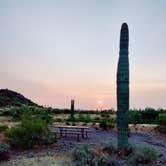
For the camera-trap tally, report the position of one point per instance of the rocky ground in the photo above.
(60, 153)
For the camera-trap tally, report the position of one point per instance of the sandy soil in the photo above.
(64, 146)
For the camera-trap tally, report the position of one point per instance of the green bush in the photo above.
(32, 131)
(71, 119)
(44, 115)
(109, 147)
(162, 119)
(135, 117)
(3, 128)
(18, 112)
(58, 120)
(4, 151)
(88, 156)
(143, 155)
(87, 119)
(84, 124)
(73, 124)
(67, 123)
(106, 124)
(149, 115)
(83, 154)
(81, 117)
(5, 113)
(162, 123)
(97, 119)
(84, 118)
(104, 115)
(162, 129)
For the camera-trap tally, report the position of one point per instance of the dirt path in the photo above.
(99, 136)
(64, 146)
(136, 138)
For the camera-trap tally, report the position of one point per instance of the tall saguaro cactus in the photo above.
(123, 88)
(72, 109)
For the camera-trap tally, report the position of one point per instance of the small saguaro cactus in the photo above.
(123, 89)
(72, 109)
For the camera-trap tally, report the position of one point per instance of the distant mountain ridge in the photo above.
(12, 98)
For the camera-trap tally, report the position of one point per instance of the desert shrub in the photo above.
(162, 129)
(3, 128)
(84, 118)
(32, 131)
(162, 119)
(143, 155)
(94, 123)
(81, 117)
(44, 115)
(103, 125)
(109, 147)
(106, 124)
(58, 120)
(69, 119)
(4, 151)
(135, 117)
(162, 123)
(104, 115)
(73, 124)
(149, 115)
(88, 156)
(87, 119)
(18, 112)
(5, 113)
(67, 123)
(83, 154)
(60, 111)
(84, 124)
(96, 119)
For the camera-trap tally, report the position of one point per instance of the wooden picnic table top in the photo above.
(72, 127)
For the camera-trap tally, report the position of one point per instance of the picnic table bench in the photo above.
(79, 131)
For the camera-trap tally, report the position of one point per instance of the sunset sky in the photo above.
(52, 51)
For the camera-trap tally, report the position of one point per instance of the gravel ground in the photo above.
(39, 161)
(48, 156)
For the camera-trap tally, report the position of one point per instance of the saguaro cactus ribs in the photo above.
(72, 109)
(123, 88)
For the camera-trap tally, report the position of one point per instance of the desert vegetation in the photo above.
(30, 131)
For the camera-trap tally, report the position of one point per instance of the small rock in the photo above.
(163, 160)
(30, 155)
(160, 155)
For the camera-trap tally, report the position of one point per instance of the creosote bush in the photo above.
(96, 119)
(32, 131)
(162, 123)
(88, 156)
(4, 151)
(106, 155)
(84, 118)
(3, 128)
(106, 124)
(143, 155)
(108, 147)
(44, 115)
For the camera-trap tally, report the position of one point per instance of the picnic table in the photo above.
(82, 131)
